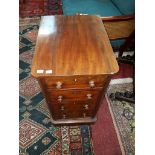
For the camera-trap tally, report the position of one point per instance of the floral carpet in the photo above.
(123, 114)
(31, 8)
(37, 135)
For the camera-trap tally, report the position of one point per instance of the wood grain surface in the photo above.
(73, 45)
(119, 29)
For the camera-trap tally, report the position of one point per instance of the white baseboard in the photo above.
(121, 81)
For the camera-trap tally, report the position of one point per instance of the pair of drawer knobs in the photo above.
(89, 96)
(64, 116)
(59, 84)
(85, 107)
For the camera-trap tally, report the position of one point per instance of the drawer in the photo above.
(73, 106)
(62, 96)
(75, 82)
(72, 109)
(72, 115)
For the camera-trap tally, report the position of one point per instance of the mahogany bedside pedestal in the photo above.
(73, 63)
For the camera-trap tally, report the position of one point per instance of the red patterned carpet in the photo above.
(105, 140)
(104, 136)
(114, 131)
(125, 71)
(31, 8)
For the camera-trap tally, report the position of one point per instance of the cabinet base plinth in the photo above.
(74, 120)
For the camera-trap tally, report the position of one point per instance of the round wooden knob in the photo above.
(62, 108)
(58, 85)
(91, 84)
(89, 96)
(86, 106)
(60, 98)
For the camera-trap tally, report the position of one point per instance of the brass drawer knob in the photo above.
(91, 84)
(60, 98)
(58, 85)
(89, 96)
(62, 108)
(86, 106)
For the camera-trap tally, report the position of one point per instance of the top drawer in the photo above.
(75, 82)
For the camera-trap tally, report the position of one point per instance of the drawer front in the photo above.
(77, 109)
(73, 106)
(62, 96)
(72, 115)
(75, 82)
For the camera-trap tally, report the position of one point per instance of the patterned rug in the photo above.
(37, 135)
(31, 8)
(123, 114)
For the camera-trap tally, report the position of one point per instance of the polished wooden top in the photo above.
(73, 45)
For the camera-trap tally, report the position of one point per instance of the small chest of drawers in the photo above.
(73, 63)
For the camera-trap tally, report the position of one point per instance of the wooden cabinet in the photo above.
(73, 63)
